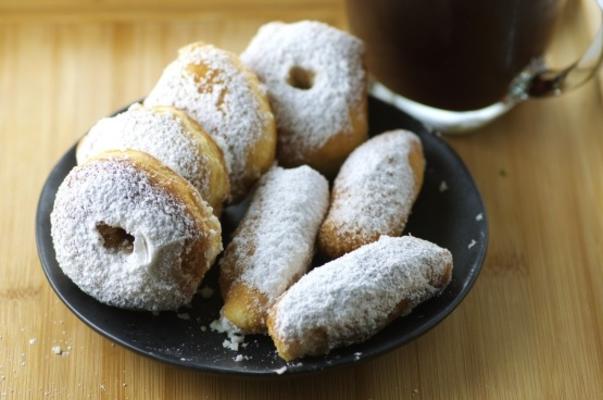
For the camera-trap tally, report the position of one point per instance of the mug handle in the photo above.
(540, 81)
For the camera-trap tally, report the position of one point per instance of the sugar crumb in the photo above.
(233, 342)
(238, 358)
(184, 316)
(479, 217)
(471, 243)
(281, 370)
(56, 350)
(443, 186)
(234, 336)
(33, 340)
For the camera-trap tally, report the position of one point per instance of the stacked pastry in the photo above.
(136, 223)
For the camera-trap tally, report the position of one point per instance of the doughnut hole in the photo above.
(300, 78)
(115, 238)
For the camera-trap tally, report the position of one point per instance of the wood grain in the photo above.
(531, 328)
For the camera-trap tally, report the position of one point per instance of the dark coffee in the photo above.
(452, 54)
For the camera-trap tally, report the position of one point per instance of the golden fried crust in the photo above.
(245, 307)
(219, 183)
(203, 250)
(333, 243)
(262, 154)
(328, 158)
(417, 163)
(228, 262)
(316, 343)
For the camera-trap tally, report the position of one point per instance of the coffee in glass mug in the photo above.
(457, 58)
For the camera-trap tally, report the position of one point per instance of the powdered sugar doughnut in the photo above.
(170, 136)
(350, 299)
(374, 192)
(132, 233)
(317, 88)
(273, 245)
(225, 98)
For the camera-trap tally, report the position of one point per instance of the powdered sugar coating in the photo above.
(209, 86)
(375, 189)
(353, 297)
(160, 134)
(309, 118)
(274, 243)
(117, 194)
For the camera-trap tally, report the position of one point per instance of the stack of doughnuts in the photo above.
(136, 224)
(201, 139)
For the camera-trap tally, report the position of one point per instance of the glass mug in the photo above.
(458, 64)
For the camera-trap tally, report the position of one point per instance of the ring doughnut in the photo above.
(171, 137)
(317, 88)
(350, 299)
(132, 233)
(226, 99)
(373, 193)
(274, 244)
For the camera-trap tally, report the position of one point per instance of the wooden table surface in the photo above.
(532, 327)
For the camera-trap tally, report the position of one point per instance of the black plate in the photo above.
(447, 218)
